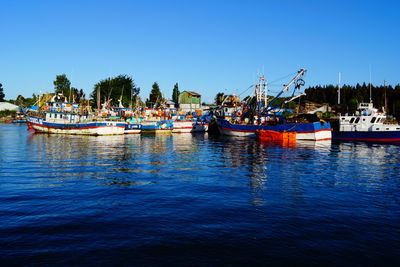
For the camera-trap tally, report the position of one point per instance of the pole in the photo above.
(338, 100)
(386, 105)
(370, 85)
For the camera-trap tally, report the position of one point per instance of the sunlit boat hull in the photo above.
(183, 126)
(190, 126)
(315, 131)
(133, 128)
(86, 128)
(162, 127)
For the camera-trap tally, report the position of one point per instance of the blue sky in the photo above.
(205, 46)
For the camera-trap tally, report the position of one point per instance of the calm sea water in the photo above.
(195, 200)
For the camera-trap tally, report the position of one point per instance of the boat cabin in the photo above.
(61, 112)
(365, 119)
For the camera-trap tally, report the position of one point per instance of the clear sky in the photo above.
(205, 46)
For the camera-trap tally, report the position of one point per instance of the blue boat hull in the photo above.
(384, 136)
(304, 131)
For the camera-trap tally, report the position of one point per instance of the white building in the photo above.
(8, 106)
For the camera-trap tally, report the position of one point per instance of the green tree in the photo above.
(2, 95)
(120, 87)
(20, 100)
(175, 93)
(62, 85)
(219, 98)
(155, 98)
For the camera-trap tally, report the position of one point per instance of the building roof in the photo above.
(170, 102)
(192, 93)
(8, 106)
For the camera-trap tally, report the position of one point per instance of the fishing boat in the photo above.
(190, 126)
(315, 131)
(264, 116)
(183, 126)
(68, 118)
(200, 126)
(366, 124)
(133, 128)
(157, 127)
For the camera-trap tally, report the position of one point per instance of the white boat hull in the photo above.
(189, 127)
(86, 128)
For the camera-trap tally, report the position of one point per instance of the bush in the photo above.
(7, 113)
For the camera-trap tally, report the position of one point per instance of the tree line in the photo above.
(115, 90)
(351, 96)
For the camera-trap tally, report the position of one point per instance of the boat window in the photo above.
(50, 115)
(378, 120)
(351, 120)
(363, 119)
(343, 118)
(397, 128)
(377, 128)
(387, 128)
(357, 120)
(373, 119)
(55, 116)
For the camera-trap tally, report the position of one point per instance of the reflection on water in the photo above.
(199, 191)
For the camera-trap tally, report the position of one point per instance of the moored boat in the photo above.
(183, 126)
(315, 131)
(190, 126)
(67, 118)
(200, 126)
(133, 128)
(157, 127)
(261, 114)
(367, 124)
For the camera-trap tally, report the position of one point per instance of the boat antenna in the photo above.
(370, 85)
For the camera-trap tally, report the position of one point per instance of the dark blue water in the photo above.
(195, 200)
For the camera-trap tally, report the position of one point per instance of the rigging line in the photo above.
(271, 83)
(245, 90)
(282, 78)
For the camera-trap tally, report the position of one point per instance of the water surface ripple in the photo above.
(197, 200)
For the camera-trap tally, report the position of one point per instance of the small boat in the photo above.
(133, 128)
(66, 118)
(19, 121)
(183, 126)
(200, 126)
(190, 126)
(367, 124)
(157, 127)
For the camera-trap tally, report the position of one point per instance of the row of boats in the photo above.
(67, 118)
(256, 119)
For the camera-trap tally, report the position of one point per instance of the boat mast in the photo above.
(370, 85)
(285, 88)
(384, 85)
(98, 97)
(338, 99)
